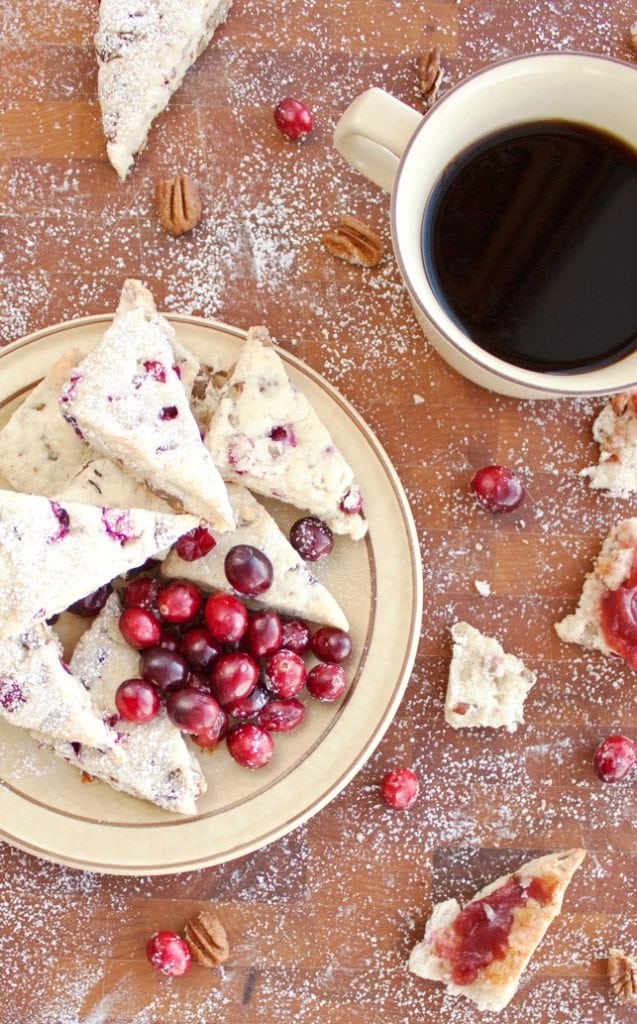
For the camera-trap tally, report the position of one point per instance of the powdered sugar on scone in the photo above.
(615, 431)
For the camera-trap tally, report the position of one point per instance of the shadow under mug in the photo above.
(405, 153)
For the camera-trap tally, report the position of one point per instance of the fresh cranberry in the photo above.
(248, 570)
(326, 682)
(352, 502)
(295, 636)
(312, 538)
(250, 745)
(233, 677)
(142, 593)
(211, 737)
(281, 715)
(92, 604)
(196, 544)
(330, 644)
(137, 700)
(168, 954)
(200, 649)
(169, 640)
(179, 601)
(498, 489)
(263, 636)
(285, 674)
(399, 788)
(191, 710)
(166, 669)
(248, 707)
(226, 618)
(614, 758)
(139, 628)
(293, 118)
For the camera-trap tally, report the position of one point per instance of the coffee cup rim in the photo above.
(549, 383)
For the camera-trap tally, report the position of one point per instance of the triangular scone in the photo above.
(615, 431)
(614, 570)
(481, 951)
(128, 402)
(144, 49)
(486, 686)
(265, 435)
(39, 452)
(294, 590)
(39, 691)
(53, 554)
(153, 762)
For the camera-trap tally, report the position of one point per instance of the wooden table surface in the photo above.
(321, 922)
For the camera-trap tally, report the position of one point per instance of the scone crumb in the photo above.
(482, 587)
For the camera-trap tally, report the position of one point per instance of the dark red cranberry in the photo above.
(142, 593)
(168, 954)
(166, 669)
(263, 636)
(250, 745)
(248, 570)
(196, 544)
(191, 710)
(330, 644)
(312, 538)
(248, 707)
(169, 640)
(399, 788)
(281, 715)
(352, 502)
(326, 682)
(285, 674)
(169, 412)
(226, 618)
(233, 677)
(284, 436)
(211, 737)
(137, 700)
(139, 628)
(293, 118)
(498, 489)
(92, 605)
(614, 758)
(295, 636)
(179, 601)
(156, 370)
(200, 649)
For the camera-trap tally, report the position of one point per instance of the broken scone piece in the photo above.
(486, 686)
(615, 431)
(480, 951)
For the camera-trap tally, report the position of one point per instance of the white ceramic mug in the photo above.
(405, 153)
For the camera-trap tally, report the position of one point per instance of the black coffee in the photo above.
(530, 244)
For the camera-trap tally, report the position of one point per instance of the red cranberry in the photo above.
(191, 710)
(179, 601)
(142, 593)
(200, 649)
(169, 640)
(312, 538)
(352, 502)
(326, 682)
(284, 436)
(263, 636)
(233, 677)
(498, 489)
(295, 636)
(92, 604)
(293, 118)
(248, 570)
(614, 758)
(166, 669)
(137, 700)
(330, 644)
(281, 715)
(139, 628)
(248, 707)
(211, 737)
(168, 954)
(399, 788)
(226, 618)
(250, 745)
(285, 674)
(196, 544)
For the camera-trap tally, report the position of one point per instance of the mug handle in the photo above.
(372, 135)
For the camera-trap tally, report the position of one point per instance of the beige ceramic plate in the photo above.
(46, 810)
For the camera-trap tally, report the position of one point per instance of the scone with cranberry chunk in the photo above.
(615, 431)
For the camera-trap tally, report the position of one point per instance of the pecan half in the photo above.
(354, 242)
(622, 975)
(207, 939)
(178, 204)
(430, 74)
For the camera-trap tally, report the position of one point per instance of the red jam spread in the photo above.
(480, 932)
(619, 619)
